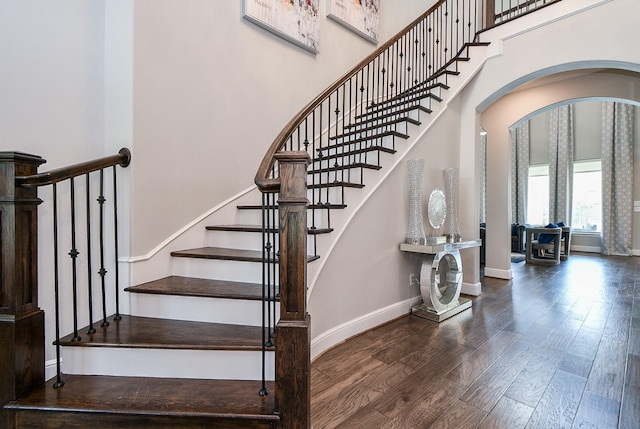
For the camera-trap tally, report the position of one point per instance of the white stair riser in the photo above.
(248, 217)
(235, 239)
(170, 363)
(250, 272)
(199, 309)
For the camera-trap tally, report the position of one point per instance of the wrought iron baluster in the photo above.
(117, 316)
(102, 272)
(92, 329)
(264, 391)
(73, 253)
(56, 285)
(275, 226)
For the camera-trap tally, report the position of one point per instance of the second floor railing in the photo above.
(506, 10)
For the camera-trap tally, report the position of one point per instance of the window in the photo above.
(587, 196)
(538, 195)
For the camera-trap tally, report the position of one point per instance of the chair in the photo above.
(565, 248)
(543, 245)
(517, 238)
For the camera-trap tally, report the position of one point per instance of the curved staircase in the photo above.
(190, 352)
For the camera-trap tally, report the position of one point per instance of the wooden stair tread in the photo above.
(153, 333)
(379, 123)
(355, 152)
(227, 254)
(311, 206)
(206, 288)
(346, 167)
(257, 228)
(336, 184)
(372, 115)
(356, 137)
(167, 399)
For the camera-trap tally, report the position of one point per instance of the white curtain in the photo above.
(617, 178)
(561, 142)
(519, 172)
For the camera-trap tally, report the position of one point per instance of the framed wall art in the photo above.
(294, 20)
(360, 16)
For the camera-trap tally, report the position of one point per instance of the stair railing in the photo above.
(505, 11)
(21, 191)
(341, 133)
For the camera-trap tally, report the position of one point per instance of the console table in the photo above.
(440, 279)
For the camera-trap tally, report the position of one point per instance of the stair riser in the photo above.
(353, 175)
(203, 364)
(250, 272)
(235, 239)
(198, 309)
(401, 127)
(386, 141)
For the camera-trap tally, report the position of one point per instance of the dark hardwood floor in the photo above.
(556, 347)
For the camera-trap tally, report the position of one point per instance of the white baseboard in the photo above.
(587, 249)
(474, 289)
(498, 274)
(356, 326)
(50, 369)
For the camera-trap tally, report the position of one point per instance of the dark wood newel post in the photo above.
(293, 343)
(21, 321)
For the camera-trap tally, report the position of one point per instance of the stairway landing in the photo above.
(135, 402)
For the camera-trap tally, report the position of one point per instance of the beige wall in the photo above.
(211, 92)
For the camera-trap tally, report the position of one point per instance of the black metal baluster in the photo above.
(56, 284)
(73, 253)
(320, 156)
(102, 271)
(264, 391)
(275, 256)
(117, 316)
(313, 210)
(458, 24)
(340, 144)
(91, 329)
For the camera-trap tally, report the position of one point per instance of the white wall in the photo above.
(52, 100)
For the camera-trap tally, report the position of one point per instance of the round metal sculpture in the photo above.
(441, 281)
(437, 208)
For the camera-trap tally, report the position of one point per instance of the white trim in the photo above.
(473, 289)
(186, 228)
(588, 249)
(50, 369)
(498, 274)
(342, 332)
(555, 16)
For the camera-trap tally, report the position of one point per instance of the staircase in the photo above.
(190, 352)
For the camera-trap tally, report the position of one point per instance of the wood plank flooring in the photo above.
(555, 347)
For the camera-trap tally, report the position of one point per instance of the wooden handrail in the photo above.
(123, 158)
(262, 180)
